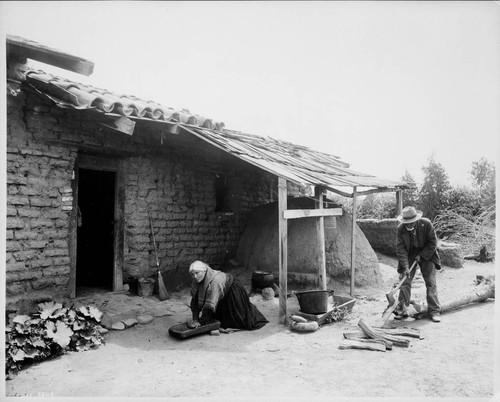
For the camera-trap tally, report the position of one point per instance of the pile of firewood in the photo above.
(383, 339)
(376, 338)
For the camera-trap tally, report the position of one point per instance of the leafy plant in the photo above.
(51, 331)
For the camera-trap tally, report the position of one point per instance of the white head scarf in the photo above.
(198, 266)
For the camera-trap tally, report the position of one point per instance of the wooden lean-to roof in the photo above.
(296, 163)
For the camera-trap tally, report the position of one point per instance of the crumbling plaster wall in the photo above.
(169, 179)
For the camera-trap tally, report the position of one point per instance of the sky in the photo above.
(383, 85)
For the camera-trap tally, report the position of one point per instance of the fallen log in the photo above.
(375, 334)
(484, 289)
(371, 344)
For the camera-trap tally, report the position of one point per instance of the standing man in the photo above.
(417, 241)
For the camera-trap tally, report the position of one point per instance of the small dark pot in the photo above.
(261, 280)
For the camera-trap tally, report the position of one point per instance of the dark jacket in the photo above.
(425, 241)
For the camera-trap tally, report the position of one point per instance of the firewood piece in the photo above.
(374, 334)
(410, 332)
(356, 334)
(371, 344)
(359, 335)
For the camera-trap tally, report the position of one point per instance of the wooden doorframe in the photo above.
(100, 163)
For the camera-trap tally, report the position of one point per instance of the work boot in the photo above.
(435, 317)
(401, 312)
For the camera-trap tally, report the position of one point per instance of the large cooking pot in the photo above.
(313, 301)
(262, 279)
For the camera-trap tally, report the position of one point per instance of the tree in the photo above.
(432, 195)
(409, 196)
(462, 198)
(377, 206)
(483, 176)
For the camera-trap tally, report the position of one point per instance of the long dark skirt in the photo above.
(236, 311)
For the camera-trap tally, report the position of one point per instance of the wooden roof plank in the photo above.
(36, 51)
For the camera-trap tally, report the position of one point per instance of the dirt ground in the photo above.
(455, 359)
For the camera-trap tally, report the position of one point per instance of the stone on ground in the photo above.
(118, 326)
(144, 319)
(130, 322)
(268, 293)
(451, 254)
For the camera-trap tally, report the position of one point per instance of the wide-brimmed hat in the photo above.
(409, 215)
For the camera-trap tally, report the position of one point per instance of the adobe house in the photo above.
(91, 174)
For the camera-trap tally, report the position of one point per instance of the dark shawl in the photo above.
(208, 293)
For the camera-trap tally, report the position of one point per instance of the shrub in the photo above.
(472, 232)
(51, 331)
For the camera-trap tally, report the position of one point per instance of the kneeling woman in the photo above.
(216, 296)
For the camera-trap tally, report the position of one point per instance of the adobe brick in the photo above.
(17, 200)
(24, 212)
(16, 288)
(26, 235)
(15, 223)
(41, 223)
(60, 244)
(24, 255)
(11, 211)
(61, 261)
(55, 271)
(42, 283)
(61, 223)
(16, 266)
(56, 252)
(42, 202)
(25, 275)
(46, 262)
(62, 280)
(37, 244)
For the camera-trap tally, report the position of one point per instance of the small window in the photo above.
(220, 192)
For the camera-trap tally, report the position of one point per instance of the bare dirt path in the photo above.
(454, 360)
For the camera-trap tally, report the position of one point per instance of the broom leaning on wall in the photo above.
(162, 291)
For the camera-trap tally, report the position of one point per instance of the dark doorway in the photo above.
(95, 236)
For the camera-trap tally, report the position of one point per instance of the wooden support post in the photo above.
(353, 238)
(320, 230)
(283, 249)
(399, 202)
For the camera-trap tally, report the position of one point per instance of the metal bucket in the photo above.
(313, 301)
(146, 287)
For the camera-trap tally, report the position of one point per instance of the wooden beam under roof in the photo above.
(44, 54)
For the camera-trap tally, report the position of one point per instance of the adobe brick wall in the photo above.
(171, 179)
(381, 233)
(39, 201)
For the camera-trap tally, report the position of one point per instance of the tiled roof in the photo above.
(296, 163)
(69, 94)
